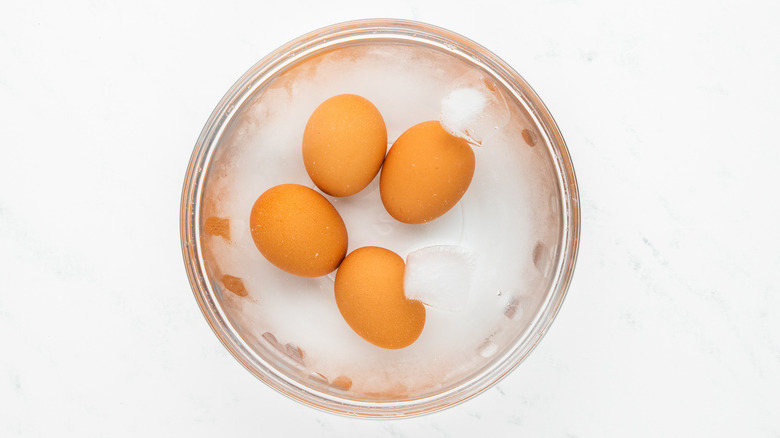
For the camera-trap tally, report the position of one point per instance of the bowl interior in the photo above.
(518, 219)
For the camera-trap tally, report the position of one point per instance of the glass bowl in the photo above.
(519, 218)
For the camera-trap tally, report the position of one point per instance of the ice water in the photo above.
(509, 219)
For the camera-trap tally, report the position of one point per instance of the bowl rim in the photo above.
(289, 53)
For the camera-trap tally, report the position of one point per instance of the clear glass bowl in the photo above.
(521, 212)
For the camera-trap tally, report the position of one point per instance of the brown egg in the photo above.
(344, 144)
(298, 230)
(425, 173)
(370, 296)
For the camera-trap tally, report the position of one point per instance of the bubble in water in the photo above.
(238, 230)
(383, 226)
(318, 377)
(271, 339)
(295, 353)
(342, 382)
(513, 309)
(440, 276)
(326, 283)
(473, 108)
(487, 349)
(541, 257)
(529, 137)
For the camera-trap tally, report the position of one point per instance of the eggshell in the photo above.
(344, 144)
(425, 173)
(298, 230)
(369, 292)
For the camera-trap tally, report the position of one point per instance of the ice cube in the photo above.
(474, 108)
(440, 276)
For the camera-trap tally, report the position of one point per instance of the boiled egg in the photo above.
(298, 230)
(344, 144)
(425, 173)
(369, 291)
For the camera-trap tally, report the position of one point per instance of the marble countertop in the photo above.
(669, 110)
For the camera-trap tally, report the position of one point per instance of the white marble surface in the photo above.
(669, 108)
